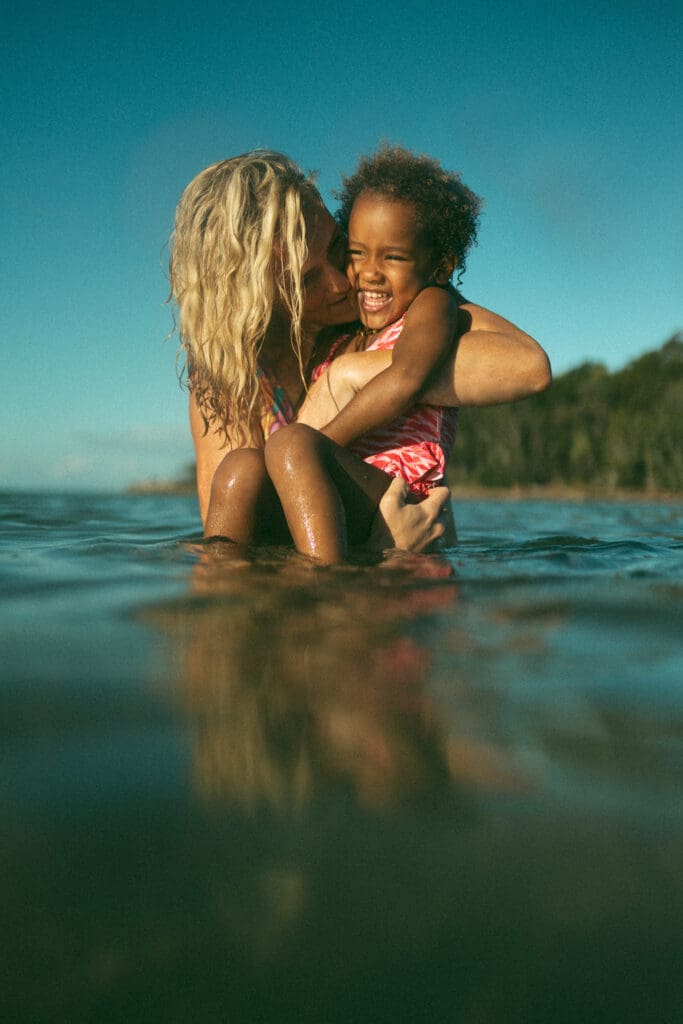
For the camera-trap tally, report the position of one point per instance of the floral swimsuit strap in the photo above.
(277, 410)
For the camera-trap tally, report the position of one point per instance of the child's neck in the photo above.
(368, 334)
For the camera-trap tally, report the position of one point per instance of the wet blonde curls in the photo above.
(239, 241)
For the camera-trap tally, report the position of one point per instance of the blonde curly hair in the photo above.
(239, 243)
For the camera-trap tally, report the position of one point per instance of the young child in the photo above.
(409, 224)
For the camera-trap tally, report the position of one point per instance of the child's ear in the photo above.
(443, 271)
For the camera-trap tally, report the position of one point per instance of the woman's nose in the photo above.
(339, 282)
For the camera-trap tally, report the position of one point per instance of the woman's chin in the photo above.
(343, 313)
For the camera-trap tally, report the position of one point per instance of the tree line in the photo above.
(605, 431)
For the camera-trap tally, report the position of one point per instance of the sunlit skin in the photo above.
(389, 265)
(393, 271)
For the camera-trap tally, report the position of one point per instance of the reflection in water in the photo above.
(300, 681)
(305, 693)
(391, 802)
(406, 822)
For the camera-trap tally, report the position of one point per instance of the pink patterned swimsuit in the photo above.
(417, 445)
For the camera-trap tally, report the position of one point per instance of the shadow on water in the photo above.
(386, 797)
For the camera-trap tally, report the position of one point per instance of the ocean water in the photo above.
(237, 788)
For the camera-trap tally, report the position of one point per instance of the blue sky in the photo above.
(565, 118)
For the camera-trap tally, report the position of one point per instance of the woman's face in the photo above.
(328, 296)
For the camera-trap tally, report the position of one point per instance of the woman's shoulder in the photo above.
(455, 294)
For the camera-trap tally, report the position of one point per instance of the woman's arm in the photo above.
(493, 362)
(210, 446)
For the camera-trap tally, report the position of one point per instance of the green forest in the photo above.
(593, 430)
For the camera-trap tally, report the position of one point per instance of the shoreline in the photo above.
(470, 492)
(561, 492)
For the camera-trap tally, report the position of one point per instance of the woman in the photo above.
(258, 275)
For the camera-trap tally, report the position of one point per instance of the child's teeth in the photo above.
(375, 298)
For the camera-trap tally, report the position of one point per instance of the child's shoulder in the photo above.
(434, 300)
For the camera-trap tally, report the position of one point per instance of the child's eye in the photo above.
(393, 256)
(353, 254)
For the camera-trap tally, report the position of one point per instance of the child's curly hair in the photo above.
(447, 210)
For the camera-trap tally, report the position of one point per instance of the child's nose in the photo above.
(370, 270)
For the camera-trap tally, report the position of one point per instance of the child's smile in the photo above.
(389, 264)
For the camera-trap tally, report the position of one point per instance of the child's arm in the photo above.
(491, 362)
(424, 343)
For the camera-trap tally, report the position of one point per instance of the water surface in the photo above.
(242, 789)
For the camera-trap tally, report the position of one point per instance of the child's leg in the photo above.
(340, 382)
(244, 506)
(328, 494)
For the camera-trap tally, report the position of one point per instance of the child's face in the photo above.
(389, 264)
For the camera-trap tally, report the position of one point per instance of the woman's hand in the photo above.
(338, 385)
(320, 404)
(412, 527)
